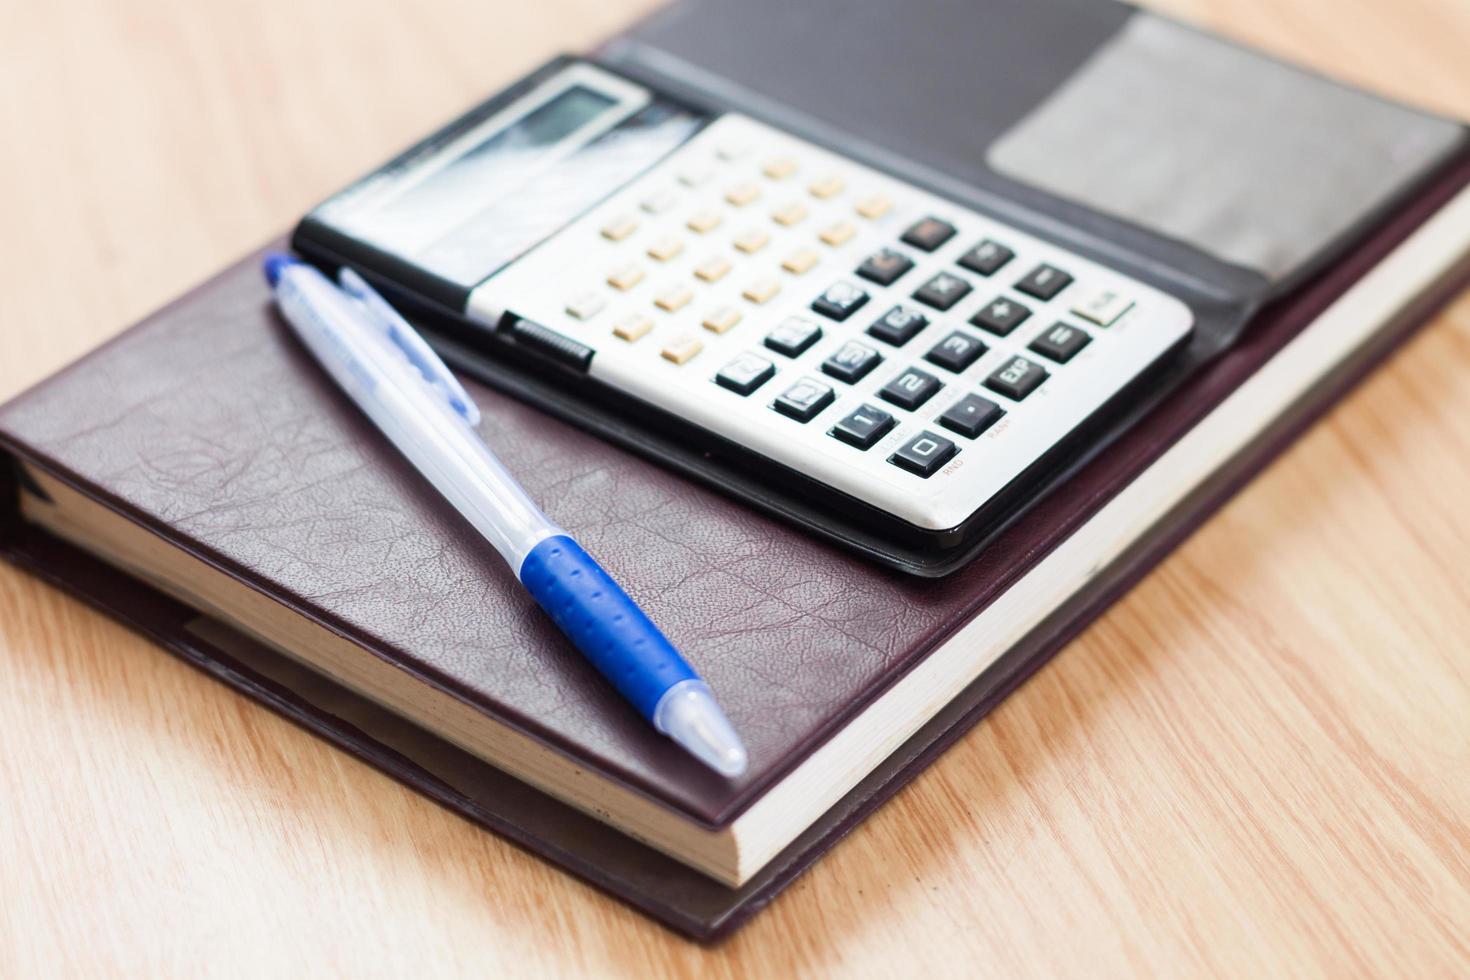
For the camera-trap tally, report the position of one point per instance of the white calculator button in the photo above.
(761, 290)
(665, 249)
(1103, 307)
(752, 241)
(673, 300)
(630, 328)
(696, 175)
(714, 269)
(839, 234)
(825, 187)
(659, 201)
(789, 214)
(704, 221)
(800, 261)
(625, 278)
(721, 319)
(681, 350)
(585, 307)
(619, 228)
(874, 206)
(742, 194)
(779, 168)
(732, 149)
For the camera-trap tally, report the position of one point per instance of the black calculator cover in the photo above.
(1000, 105)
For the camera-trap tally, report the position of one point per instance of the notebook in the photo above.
(201, 480)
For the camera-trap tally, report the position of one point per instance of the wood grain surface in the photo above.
(1257, 763)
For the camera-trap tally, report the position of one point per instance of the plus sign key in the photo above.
(1000, 316)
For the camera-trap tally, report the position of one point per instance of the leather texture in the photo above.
(208, 423)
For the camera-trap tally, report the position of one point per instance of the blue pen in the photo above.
(402, 386)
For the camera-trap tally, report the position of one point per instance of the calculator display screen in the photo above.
(470, 202)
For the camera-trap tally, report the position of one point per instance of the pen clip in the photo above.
(407, 340)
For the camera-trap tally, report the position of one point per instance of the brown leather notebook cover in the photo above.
(208, 424)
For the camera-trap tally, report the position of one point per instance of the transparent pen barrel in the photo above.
(414, 417)
(474, 482)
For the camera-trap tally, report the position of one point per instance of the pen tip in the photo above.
(689, 715)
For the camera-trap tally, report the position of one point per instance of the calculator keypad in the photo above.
(899, 348)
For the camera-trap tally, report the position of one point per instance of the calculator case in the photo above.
(969, 102)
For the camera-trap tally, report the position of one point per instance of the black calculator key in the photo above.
(885, 266)
(899, 325)
(1017, 378)
(971, 415)
(928, 234)
(1061, 343)
(745, 374)
(924, 454)
(986, 258)
(840, 300)
(863, 427)
(943, 291)
(803, 400)
(793, 336)
(1000, 316)
(1044, 282)
(956, 352)
(852, 362)
(911, 389)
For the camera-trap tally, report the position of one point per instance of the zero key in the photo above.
(924, 454)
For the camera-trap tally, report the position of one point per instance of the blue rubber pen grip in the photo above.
(606, 625)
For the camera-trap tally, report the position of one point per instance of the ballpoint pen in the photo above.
(388, 370)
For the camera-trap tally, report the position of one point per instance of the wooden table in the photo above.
(1260, 761)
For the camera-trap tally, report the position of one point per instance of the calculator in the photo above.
(848, 337)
